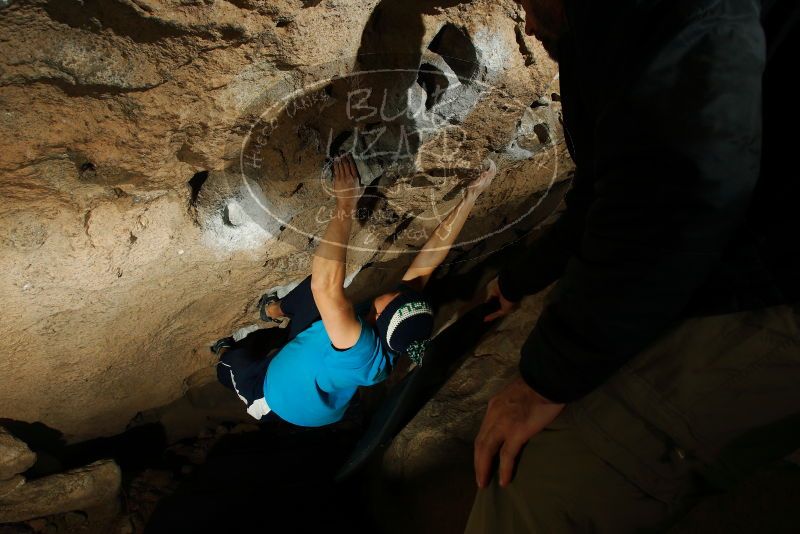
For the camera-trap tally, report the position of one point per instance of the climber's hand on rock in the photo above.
(506, 306)
(346, 186)
(482, 182)
(514, 416)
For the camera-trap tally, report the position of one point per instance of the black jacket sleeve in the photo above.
(545, 260)
(676, 158)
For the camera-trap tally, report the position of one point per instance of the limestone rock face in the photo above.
(164, 162)
(94, 485)
(15, 456)
(11, 484)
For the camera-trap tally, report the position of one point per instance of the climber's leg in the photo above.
(299, 305)
(261, 342)
(243, 373)
(242, 368)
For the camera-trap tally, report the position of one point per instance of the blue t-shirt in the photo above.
(311, 383)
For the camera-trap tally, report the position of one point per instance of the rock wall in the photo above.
(164, 162)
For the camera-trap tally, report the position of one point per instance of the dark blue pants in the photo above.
(300, 307)
(242, 368)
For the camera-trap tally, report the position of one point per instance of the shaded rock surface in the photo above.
(15, 456)
(84, 488)
(146, 207)
(426, 481)
(10, 484)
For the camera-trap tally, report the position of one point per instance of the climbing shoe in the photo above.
(263, 303)
(224, 343)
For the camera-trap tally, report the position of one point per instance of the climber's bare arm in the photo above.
(329, 264)
(438, 245)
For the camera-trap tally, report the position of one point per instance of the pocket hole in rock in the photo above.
(542, 133)
(338, 142)
(196, 184)
(435, 83)
(87, 171)
(456, 48)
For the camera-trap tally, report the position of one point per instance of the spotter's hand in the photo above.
(514, 416)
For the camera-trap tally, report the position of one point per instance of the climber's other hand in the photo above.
(483, 181)
(346, 186)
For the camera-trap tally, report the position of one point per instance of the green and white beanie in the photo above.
(406, 324)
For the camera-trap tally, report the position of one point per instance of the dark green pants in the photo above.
(710, 402)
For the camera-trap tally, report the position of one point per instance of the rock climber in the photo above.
(666, 362)
(332, 347)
